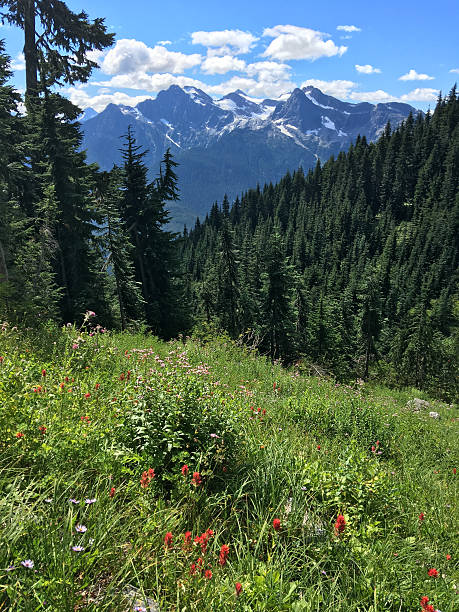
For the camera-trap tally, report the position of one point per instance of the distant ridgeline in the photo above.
(350, 265)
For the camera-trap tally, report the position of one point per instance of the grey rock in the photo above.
(434, 415)
(137, 601)
(417, 405)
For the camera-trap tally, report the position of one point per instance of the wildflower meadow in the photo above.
(196, 475)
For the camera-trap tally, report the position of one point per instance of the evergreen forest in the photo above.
(349, 268)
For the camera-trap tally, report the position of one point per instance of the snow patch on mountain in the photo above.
(328, 123)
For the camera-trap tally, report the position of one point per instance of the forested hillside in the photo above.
(73, 238)
(352, 264)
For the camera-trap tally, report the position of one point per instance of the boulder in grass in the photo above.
(417, 405)
(138, 602)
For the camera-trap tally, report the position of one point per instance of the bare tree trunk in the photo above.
(3, 267)
(30, 49)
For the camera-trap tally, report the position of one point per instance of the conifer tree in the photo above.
(63, 38)
(118, 248)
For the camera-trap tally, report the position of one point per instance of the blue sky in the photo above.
(354, 50)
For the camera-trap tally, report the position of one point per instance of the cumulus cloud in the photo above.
(130, 55)
(348, 28)
(252, 87)
(293, 42)
(224, 42)
(164, 42)
(222, 64)
(18, 63)
(338, 88)
(149, 82)
(372, 96)
(81, 98)
(266, 71)
(367, 69)
(455, 70)
(412, 75)
(426, 94)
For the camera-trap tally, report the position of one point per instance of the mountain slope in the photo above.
(230, 144)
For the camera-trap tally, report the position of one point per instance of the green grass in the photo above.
(301, 451)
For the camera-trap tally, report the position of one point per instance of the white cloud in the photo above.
(426, 94)
(367, 69)
(149, 82)
(412, 75)
(293, 42)
(164, 42)
(417, 95)
(266, 71)
(222, 64)
(130, 55)
(18, 63)
(82, 99)
(348, 28)
(252, 87)
(372, 96)
(455, 70)
(224, 42)
(338, 88)
(96, 56)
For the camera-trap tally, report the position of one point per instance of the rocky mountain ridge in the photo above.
(231, 144)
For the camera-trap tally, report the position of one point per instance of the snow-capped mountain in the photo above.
(231, 144)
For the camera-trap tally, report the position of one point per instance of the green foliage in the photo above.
(179, 420)
(96, 409)
(344, 266)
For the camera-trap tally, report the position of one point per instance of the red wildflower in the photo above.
(238, 588)
(448, 557)
(42, 429)
(193, 569)
(19, 434)
(112, 492)
(433, 573)
(274, 386)
(66, 379)
(87, 395)
(263, 412)
(146, 478)
(208, 574)
(454, 470)
(43, 373)
(61, 385)
(340, 524)
(224, 552)
(187, 540)
(168, 539)
(429, 608)
(122, 376)
(318, 447)
(97, 386)
(424, 601)
(196, 480)
(373, 449)
(1, 359)
(421, 517)
(185, 470)
(276, 524)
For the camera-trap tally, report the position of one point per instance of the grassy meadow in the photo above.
(199, 476)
